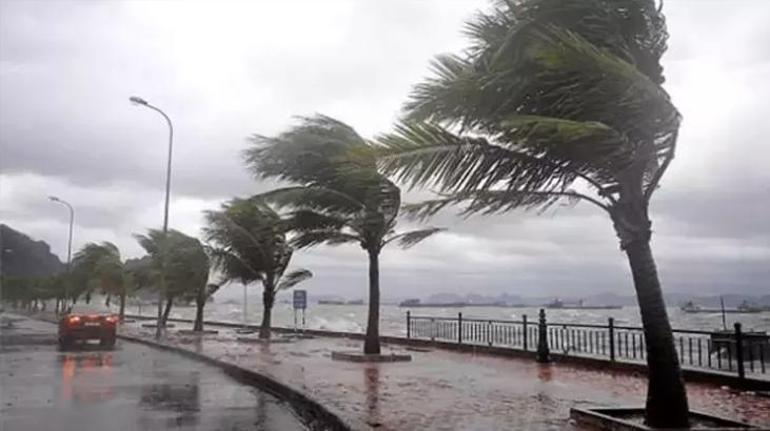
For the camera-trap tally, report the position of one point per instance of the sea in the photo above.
(352, 318)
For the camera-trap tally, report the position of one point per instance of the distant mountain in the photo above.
(24, 257)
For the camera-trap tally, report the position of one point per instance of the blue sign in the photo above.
(300, 299)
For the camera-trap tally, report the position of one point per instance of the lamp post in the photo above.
(139, 101)
(69, 240)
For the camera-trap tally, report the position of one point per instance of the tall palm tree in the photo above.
(249, 244)
(337, 196)
(99, 266)
(183, 269)
(556, 100)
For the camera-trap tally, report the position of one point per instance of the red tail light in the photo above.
(73, 320)
(111, 319)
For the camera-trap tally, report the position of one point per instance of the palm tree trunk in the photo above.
(268, 298)
(666, 405)
(167, 311)
(198, 325)
(122, 312)
(372, 340)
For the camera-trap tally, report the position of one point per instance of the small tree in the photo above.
(557, 100)
(338, 196)
(201, 297)
(182, 269)
(249, 244)
(99, 266)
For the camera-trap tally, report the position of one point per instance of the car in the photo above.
(77, 327)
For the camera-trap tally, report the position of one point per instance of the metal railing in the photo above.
(732, 351)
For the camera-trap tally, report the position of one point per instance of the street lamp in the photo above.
(139, 101)
(69, 241)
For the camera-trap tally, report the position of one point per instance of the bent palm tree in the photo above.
(201, 296)
(556, 100)
(338, 196)
(100, 266)
(250, 244)
(183, 268)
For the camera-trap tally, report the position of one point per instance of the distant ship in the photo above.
(331, 302)
(745, 307)
(559, 305)
(340, 302)
(417, 303)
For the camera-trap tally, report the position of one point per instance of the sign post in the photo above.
(300, 303)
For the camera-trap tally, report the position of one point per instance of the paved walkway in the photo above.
(444, 390)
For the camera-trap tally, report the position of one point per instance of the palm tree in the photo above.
(201, 296)
(249, 244)
(183, 269)
(100, 266)
(337, 196)
(556, 100)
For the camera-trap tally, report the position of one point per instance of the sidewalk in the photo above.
(443, 390)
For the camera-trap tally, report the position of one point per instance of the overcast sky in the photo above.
(225, 70)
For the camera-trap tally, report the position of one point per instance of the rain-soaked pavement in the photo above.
(444, 390)
(133, 387)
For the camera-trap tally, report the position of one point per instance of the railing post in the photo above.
(543, 355)
(611, 328)
(524, 327)
(432, 329)
(408, 324)
(489, 332)
(739, 351)
(459, 328)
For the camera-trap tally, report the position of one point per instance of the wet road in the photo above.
(132, 387)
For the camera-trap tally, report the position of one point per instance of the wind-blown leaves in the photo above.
(552, 95)
(337, 195)
(249, 242)
(99, 266)
(180, 258)
(408, 239)
(293, 278)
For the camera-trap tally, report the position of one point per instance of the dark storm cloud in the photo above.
(226, 70)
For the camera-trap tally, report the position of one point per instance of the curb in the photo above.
(315, 416)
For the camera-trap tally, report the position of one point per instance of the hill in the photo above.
(22, 256)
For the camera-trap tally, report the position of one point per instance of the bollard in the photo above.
(524, 324)
(432, 329)
(489, 333)
(408, 325)
(739, 351)
(543, 355)
(611, 328)
(459, 328)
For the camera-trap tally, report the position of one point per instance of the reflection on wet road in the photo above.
(133, 387)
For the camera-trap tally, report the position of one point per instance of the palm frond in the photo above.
(307, 153)
(572, 64)
(315, 198)
(429, 155)
(248, 240)
(324, 236)
(488, 202)
(293, 278)
(409, 239)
